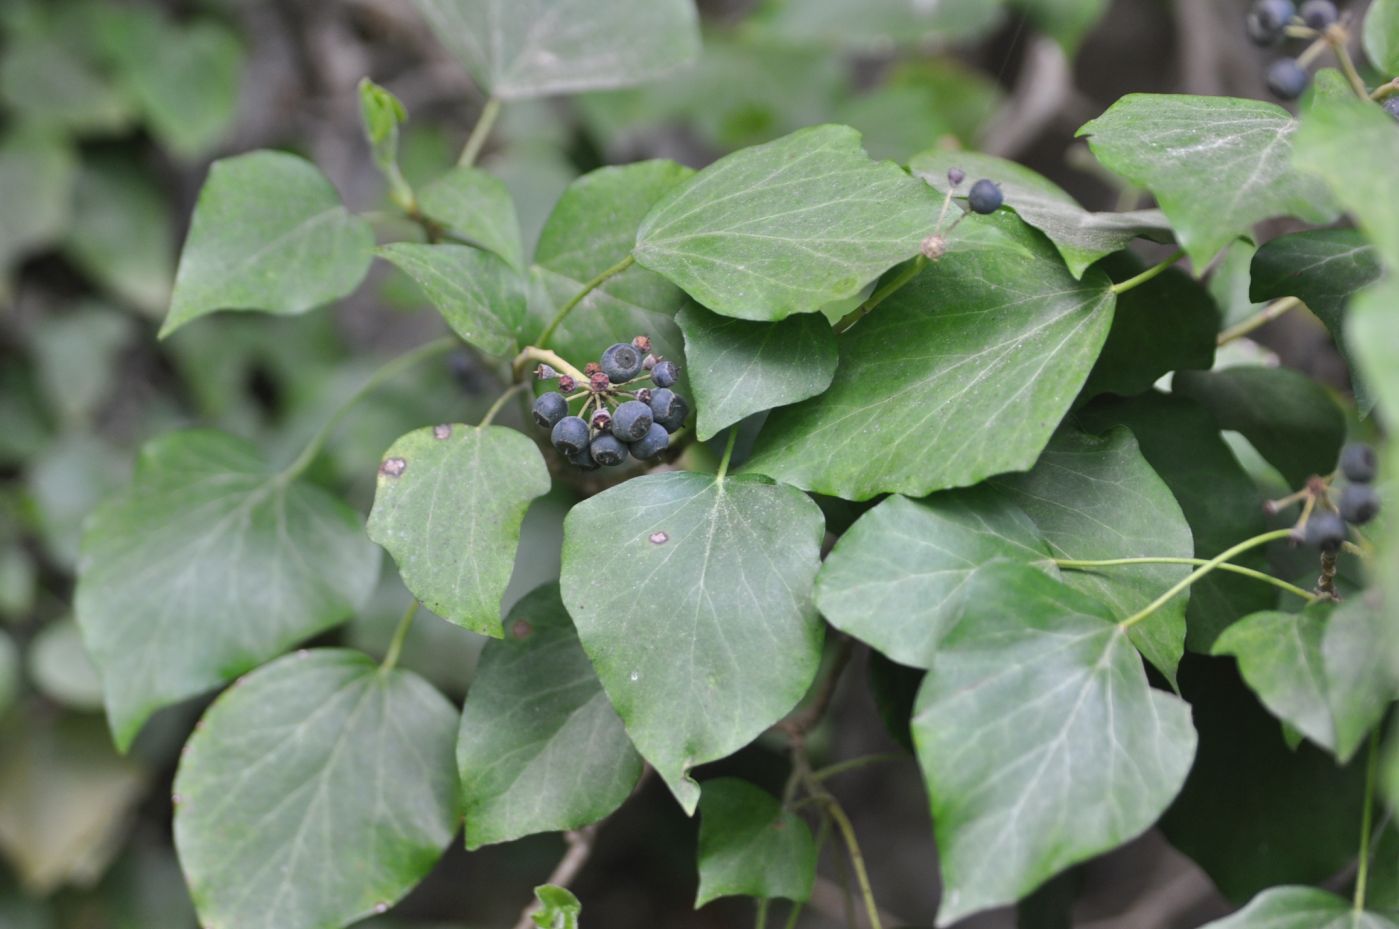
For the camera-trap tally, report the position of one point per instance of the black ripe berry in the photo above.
(669, 408)
(1391, 106)
(583, 461)
(1287, 79)
(1319, 14)
(1358, 463)
(652, 444)
(985, 197)
(1326, 531)
(1268, 19)
(621, 362)
(549, 409)
(1359, 504)
(608, 451)
(570, 436)
(665, 374)
(632, 420)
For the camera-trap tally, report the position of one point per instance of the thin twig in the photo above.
(1149, 274)
(1201, 571)
(800, 723)
(400, 634)
(575, 856)
(1258, 320)
(912, 270)
(477, 140)
(588, 288)
(1073, 565)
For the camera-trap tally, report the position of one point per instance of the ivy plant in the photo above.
(807, 408)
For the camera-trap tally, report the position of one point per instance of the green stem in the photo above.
(1074, 565)
(389, 371)
(852, 845)
(822, 834)
(762, 919)
(399, 635)
(1264, 316)
(1357, 83)
(728, 453)
(1201, 571)
(1149, 274)
(912, 270)
(500, 402)
(1366, 819)
(552, 359)
(841, 767)
(588, 288)
(477, 140)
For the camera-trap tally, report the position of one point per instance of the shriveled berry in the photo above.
(652, 444)
(1358, 463)
(1359, 504)
(601, 420)
(545, 372)
(985, 197)
(1287, 79)
(642, 343)
(956, 176)
(665, 374)
(1319, 14)
(583, 461)
(570, 435)
(549, 409)
(592, 368)
(632, 421)
(669, 408)
(608, 451)
(622, 362)
(566, 383)
(649, 362)
(599, 381)
(1326, 531)
(1391, 106)
(1268, 19)
(644, 395)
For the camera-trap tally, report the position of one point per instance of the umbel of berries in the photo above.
(626, 407)
(1358, 503)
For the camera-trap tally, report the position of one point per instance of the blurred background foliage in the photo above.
(110, 113)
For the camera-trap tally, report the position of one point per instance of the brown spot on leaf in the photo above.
(393, 467)
(443, 431)
(521, 629)
(659, 538)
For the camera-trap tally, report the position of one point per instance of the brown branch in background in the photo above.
(1043, 89)
(580, 848)
(802, 722)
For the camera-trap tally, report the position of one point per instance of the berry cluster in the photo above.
(1358, 503)
(1272, 21)
(615, 423)
(985, 195)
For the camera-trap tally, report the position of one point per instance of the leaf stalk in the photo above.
(1149, 274)
(1201, 571)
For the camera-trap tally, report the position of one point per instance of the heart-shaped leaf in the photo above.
(269, 233)
(317, 791)
(1381, 35)
(533, 48)
(208, 565)
(1217, 165)
(995, 338)
(448, 508)
(788, 226)
(1300, 908)
(540, 749)
(687, 661)
(480, 296)
(472, 204)
(37, 174)
(1039, 707)
(738, 368)
(750, 846)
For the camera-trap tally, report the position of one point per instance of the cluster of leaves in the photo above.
(1042, 530)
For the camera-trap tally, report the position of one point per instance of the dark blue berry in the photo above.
(1319, 14)
(1326, 531)
(1358, 463)
(583, 461)
(1359, 504)
(665, 374)
(632, 420)
(652, 444)
(549, 409)
(570, 436)
(622, 362)
(1268, 19)
(608, 451)
(1287, 79)
(985, 197)
(669, 408)
(956, 176)
(1391, 106)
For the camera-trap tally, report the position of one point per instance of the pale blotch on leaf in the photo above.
(659, 538)
(443, 431)
(521, 629)
(394, 467)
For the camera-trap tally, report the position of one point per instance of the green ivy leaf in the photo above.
(738, 368)
(1082, 237)
(688, 662)
(1370, 336)
(206, 566)
(49, 83)
(1075, 727)
(1350, 143)
(558, 908)
(269, 233)
(874, 24)
(540, 749)
(1098, 498)
(480, 296)
(381, 113)
(995, 338)
(1168, 324)
(60, 667)
(1300, 908)
(1290, 418)
(78, 355)
(533, 48)
(750, 846)
(448, 508)
(1356, 652)
(1217, 165)
(37, 174)
(786, 227)
(592, 228)
(900, 577)
(317, 791)
(1221, 502)
(473, 205)
(1381, 35)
